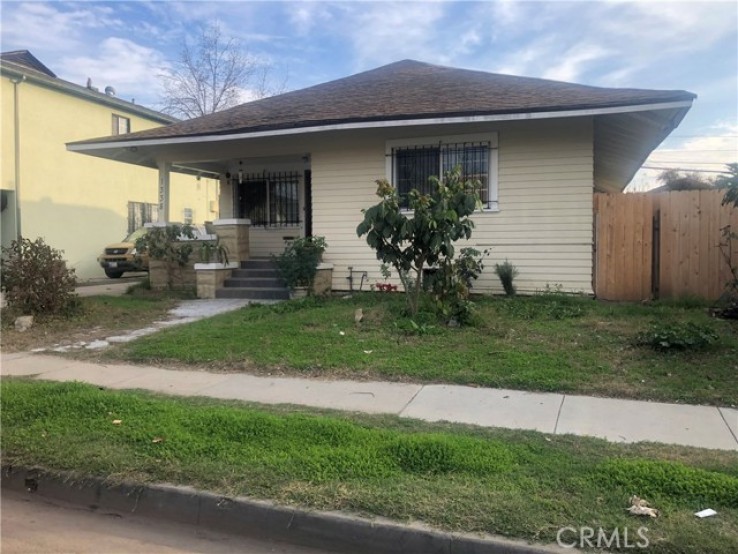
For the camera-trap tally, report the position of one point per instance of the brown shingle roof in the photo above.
(406, 90)
(26, 59)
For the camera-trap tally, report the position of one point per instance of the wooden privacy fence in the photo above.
(663, 245)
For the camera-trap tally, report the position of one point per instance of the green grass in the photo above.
(546, 343)
(518, 484)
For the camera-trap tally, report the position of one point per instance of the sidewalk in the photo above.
(622, 421)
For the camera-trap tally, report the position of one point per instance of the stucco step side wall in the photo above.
(544, 222)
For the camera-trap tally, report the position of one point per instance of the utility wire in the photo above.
(686, 170)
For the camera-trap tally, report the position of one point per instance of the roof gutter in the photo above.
(90, 146)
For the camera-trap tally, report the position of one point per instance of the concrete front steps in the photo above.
(256, 279)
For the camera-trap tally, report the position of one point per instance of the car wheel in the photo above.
(113, 274)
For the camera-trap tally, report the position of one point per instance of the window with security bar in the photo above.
(270, 199)
(140, 213)
(413, 166)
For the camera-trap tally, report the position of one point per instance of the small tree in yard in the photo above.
(424, 238)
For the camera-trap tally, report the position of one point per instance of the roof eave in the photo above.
(89, 146)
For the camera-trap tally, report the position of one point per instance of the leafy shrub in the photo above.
(298, 264)
(677, 336)
(507, 273)
(451, 284)
(414, 242)
(697, 487)
(168, 244)
(35, 279)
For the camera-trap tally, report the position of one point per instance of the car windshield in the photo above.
(137, 234)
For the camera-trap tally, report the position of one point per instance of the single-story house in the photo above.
(305, 162)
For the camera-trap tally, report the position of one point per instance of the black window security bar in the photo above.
(413, 166)
(270, 199)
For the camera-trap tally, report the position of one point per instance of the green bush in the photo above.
(697, 487)
(35, 279)
(507, 273)
(298, 264)
(677, 336)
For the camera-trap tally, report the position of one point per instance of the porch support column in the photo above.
(234, 235)
(164, 170)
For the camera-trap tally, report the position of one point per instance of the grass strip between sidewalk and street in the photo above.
(513, 483)
(547, 342)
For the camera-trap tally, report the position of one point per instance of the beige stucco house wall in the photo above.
(78, 204)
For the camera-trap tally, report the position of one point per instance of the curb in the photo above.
(258, 519)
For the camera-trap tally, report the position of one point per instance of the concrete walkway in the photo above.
(621, 421)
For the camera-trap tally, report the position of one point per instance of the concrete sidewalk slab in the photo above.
(486, 407)
(633, 421)
(96, 374)
(180, 383)
(369, 397)
(731, 418)
(24, 364)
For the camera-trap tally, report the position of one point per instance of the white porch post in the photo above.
(164, 170)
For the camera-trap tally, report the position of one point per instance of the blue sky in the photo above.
(647, 44)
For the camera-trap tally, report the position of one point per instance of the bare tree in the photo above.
(214, 74)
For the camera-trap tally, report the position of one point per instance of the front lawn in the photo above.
(513, 483)
(548, 342)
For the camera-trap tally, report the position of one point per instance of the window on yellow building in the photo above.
(121, 125)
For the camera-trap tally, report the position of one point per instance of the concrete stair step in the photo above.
(258, 263)
(253, 293)
(255, 274)
(254, 282)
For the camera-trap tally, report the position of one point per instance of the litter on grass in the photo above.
(706, 513)
(639, 507)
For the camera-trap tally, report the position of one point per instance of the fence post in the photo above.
(656, 254)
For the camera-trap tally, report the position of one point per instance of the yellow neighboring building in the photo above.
(79, 204)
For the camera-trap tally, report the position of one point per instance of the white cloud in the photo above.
(130, 68)
(385, 32)
(306, 16)
(40, 27)
(574, 60)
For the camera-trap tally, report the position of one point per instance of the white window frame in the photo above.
(439, 140)
(117, 119)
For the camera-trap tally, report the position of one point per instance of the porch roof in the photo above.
(631, 122)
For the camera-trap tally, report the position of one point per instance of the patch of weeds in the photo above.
(680, 336)
(694, 486)
(409, 328)
(547, 305)
(437, 454)
(296, 305)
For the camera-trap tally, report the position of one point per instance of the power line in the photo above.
(685, 162)
(686, 170)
